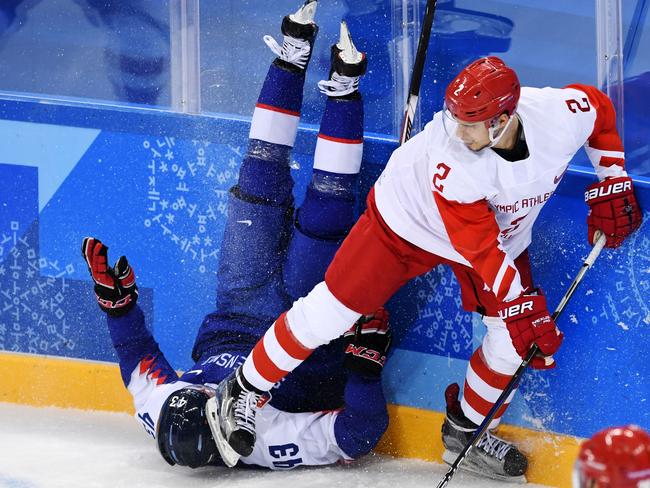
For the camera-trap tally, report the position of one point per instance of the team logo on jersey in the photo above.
(557, 179)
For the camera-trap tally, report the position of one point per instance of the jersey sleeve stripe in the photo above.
(506, 283)
(499, 278)
(474, 233)
(606, 162)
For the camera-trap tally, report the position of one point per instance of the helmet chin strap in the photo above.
(494, 139)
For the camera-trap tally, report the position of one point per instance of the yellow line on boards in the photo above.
(52, 381)
(414, 433)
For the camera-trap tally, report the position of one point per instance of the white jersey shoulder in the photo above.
(555, 128)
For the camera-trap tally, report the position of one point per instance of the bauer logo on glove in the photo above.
(613, 210)
(529, 322)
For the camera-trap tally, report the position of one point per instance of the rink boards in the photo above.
(153, 186)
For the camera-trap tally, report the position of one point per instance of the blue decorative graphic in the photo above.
(441, 326)
(43, 310)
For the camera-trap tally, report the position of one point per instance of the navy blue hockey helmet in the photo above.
(183, 433)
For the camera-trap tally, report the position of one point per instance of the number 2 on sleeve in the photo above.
(443, 172)
(575, 105)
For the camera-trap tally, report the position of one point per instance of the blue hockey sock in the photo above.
(282, 89)
(264, 173)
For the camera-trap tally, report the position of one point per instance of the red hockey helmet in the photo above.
(483, 90)
(618, 457)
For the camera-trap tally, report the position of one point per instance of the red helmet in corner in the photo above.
(483, 90)
(618, 457)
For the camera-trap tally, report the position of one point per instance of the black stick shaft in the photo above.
(514, 381)
(418, 71)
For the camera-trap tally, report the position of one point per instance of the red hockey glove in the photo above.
(613, 209)
(529, 323)
(367, 344)
(115, 288)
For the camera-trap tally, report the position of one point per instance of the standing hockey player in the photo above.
(263, 267)
(617, 457)
(465, 192)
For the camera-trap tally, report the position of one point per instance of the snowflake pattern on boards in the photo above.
(32, 297)
(176, 203)
(444, 334)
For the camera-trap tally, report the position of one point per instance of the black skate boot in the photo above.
(492, 457)
(348, 65)
(299, 32)
(231, 416)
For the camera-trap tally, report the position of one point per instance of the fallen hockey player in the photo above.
(332, 408)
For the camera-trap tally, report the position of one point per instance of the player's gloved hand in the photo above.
(115, 287)
(529, 322)
(367, 344)
(613, 209)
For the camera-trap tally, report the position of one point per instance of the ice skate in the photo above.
(492, 457)
(231, 416)
(348, 65)
(299, 30)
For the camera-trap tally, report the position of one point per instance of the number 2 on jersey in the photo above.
(443, 172)
(575, 105)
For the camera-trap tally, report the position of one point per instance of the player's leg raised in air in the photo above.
(324, 219)
(337, 162)
(260, 206)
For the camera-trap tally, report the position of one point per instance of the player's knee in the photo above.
(319, 317)
(499, 353)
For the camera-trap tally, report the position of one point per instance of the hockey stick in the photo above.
(514, 381)
(418, 70)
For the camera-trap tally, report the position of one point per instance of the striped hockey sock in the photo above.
(340, 141)
(277, 111)
(265, 171)
(482, 388)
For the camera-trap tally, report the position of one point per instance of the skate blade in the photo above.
(467, 466)
(349, 53)
(306, 13)
(229, 456)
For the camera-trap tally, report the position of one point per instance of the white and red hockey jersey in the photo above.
(478, 209)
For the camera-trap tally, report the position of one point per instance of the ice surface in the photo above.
(53, 447)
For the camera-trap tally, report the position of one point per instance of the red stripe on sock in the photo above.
(338, 139)
(288, 341)
(607, 161)
(265, 366)
(495, 380)
(277, 109)
(480, 404)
